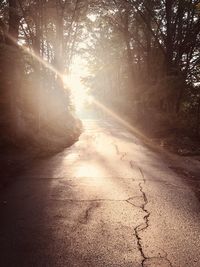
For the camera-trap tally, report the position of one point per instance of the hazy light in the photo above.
(66, 80)
(120, 120)
(90, 99)
(35, 56)
(72, 81)
(78, 91)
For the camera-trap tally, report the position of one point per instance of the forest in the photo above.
(142, 60)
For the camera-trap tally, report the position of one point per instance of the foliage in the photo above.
(147, 52)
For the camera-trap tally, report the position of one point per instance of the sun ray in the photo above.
(37, 57)
(120, 120)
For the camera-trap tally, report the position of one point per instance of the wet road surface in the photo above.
(107, 201)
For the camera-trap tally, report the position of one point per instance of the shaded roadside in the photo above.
(16, 159)
(13, 161)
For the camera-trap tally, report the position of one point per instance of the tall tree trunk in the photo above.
(169, 37)
(13, 23)
(148, 38)
(11, 67)
(198, 119)
(128, 48)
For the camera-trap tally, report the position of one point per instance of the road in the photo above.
(109, 200)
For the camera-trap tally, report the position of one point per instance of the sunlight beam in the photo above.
(35, 56)
(120, 120)
(78, 91)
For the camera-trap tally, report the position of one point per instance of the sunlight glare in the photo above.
(73, 82)
(78, 91)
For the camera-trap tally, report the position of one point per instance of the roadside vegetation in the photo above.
(36, 48)
(145, 65)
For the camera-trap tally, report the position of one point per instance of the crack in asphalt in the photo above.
(87, 213)
(84, 218)
(116, 148)
(122, 154)
(143, 226)
(94, 200)
(131, 164)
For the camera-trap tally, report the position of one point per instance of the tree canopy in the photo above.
(142, 58)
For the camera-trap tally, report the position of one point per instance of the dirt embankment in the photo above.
(18, 153)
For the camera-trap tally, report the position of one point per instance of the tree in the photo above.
(161, 44)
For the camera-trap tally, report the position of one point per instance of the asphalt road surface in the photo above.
(109, 200)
